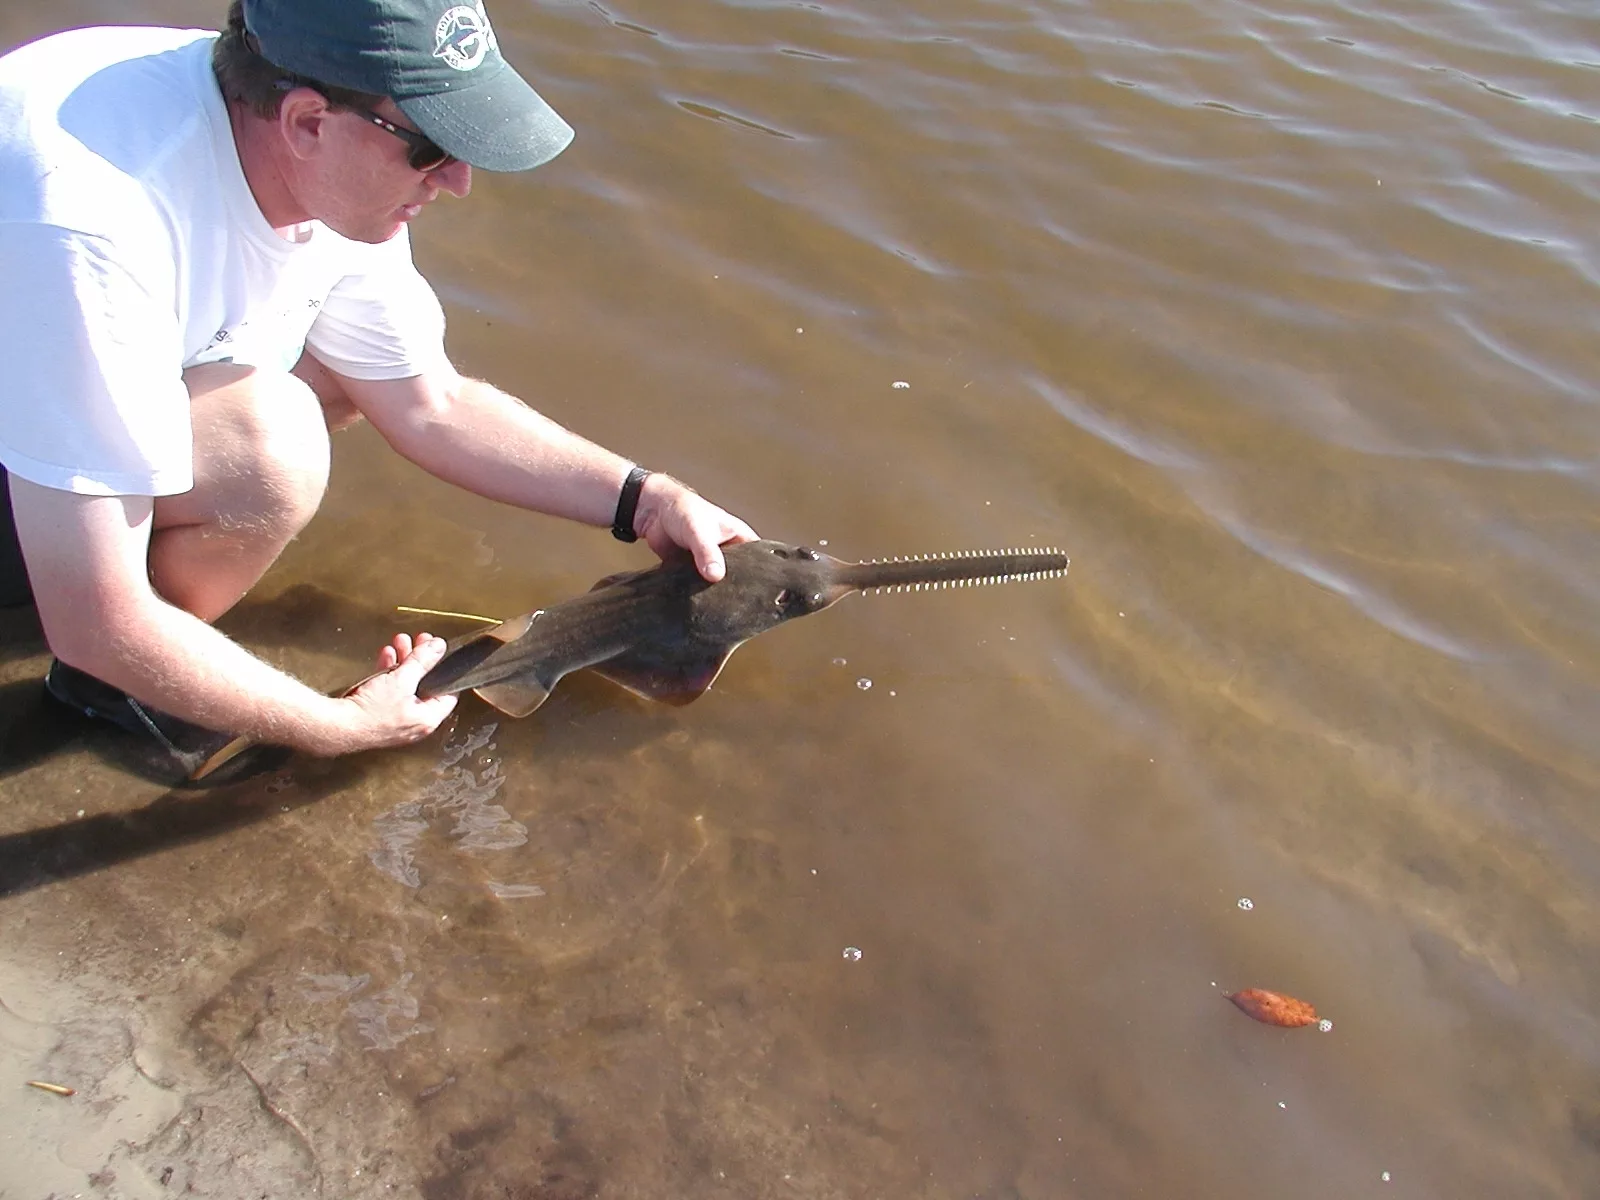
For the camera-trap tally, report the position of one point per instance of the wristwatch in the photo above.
(628, 505)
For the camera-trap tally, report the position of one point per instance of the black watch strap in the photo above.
(628, 504)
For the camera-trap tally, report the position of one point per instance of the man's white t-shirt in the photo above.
(132, 248)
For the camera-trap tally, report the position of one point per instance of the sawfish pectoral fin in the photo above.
(667, 677)
(514, 697)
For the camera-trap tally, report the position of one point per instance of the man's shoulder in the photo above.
(111, 91)
(58, 62)
(93, 119)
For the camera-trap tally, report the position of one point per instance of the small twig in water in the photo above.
(55, 1089)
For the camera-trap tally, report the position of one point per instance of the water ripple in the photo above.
(1363, 597)
(1144, 447)
(712, 113)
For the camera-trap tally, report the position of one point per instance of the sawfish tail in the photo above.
(960, 569)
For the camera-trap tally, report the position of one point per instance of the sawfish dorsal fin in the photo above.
(621, 577)
(510, 631)
(514, 697)
(465, 655)
(667, 674)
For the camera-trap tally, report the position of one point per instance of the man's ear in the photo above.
(301, 120)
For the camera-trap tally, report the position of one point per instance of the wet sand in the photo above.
(143, 1121)
(93, 977)
(85, 1004)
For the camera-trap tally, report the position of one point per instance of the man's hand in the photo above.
(388, 711)
(672, 516)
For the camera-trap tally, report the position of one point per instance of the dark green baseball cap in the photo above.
(437, 60)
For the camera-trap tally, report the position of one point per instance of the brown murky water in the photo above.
(1280, 318)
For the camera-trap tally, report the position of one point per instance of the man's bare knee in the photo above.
(260, 470)
(261, 452)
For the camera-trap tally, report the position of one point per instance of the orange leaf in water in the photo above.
(1273, 1008)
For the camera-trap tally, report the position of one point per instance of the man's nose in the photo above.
(454, 177)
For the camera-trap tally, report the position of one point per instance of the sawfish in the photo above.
(664, 633)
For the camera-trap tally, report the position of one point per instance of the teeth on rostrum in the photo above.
(936, 585)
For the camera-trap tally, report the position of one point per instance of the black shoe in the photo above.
(187, 744)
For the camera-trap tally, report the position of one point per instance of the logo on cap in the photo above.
(463, 37)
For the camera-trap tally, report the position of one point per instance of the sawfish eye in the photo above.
(808, 553)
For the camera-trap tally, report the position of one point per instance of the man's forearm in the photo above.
(490, 443)
(180, 665)
(477, 437)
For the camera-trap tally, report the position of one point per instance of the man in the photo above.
(204, 267)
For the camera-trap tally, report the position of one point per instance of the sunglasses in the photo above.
(425, 156)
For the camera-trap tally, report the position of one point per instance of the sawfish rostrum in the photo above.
(665, 633)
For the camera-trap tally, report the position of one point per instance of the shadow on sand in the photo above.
(34, 729)
(36, 857)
